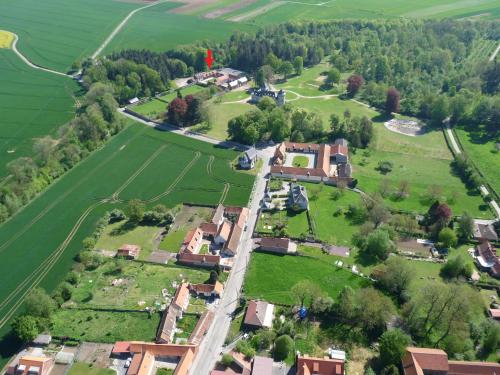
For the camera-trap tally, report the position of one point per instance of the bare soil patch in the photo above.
(191, 5)
(93, 353)
(231, 8)
(257, 12)
(406, 127)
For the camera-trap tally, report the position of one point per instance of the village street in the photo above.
(211, 345)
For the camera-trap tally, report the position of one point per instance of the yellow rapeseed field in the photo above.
(6, 39)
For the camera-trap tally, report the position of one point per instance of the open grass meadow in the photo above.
(37, 246)
(483, 151)
(118, 234)
(33, 104)
(55, 33)
(158, 29)
(104, 326)
(137, 285)
(268, 12)
(271, 277)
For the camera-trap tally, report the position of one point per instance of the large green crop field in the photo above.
(158, 29)
(55, 33)
(269, 12)
(37, 245)
(33, 104)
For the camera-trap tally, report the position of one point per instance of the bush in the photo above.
(385, 166)
(72, 278)
(393, 344)
(447, 237)
(227, 360)
(116, 215)
(283, 347)
(245, 348)
(25, 328)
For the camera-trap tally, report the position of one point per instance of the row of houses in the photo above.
(179, 305)
(224, 231)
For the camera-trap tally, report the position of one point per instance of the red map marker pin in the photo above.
(209, 59)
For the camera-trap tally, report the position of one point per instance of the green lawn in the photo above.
(173, 240)
(262, 282)
(327, 215)
(118, 234)
(300, 161)
(86, 369)
(157, 107)
(482, 151)
(104, 326)
(139, 284)
(219, 114)
(140, 162)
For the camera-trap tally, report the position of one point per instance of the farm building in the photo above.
(327, 163)
(144, 356)
(278, 245)
(192, 241)
(435, 361)
(173, 313)
(248, 159)
(485, 232)
(223, 233)
(260, 314)
(31, 364)
(487, 259)
(198, 260)
(129, 251)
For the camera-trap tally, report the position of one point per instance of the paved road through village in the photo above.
(211, 345)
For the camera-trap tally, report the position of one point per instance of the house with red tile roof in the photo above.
(224, 232)
(325, 366)
(331, 162)
(31, 364)
(168, 323)
(260, 314)
(181, 298)
(277, 245)
(129, 251)
(192, 241)
(422, 361)
(207, 290)
(198, 260)
(231, 246)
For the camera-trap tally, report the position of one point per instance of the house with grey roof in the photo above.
(248, 159)
(297, 199)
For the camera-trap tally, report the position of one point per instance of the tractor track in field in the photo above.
(227, 185)
(38, 275)
(114, 196)
(179, 178)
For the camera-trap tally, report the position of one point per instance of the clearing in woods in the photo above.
(140, 162)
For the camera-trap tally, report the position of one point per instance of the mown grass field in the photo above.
(141, 284)
(118, 234)
(262, 280)
(32, 104)
(37, 245)
(482, 151)
(265, 13)
(104, 326)
(55, 33)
